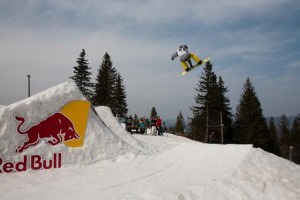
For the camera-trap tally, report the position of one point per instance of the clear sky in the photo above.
(259, 39)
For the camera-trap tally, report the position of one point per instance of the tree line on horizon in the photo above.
(212, 120)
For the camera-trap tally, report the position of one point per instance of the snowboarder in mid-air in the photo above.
(185, 58)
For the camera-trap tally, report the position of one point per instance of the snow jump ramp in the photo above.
(59, 122)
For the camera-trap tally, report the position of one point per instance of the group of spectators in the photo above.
(141, 125)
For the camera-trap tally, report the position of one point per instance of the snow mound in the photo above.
(100, 141)
(263, 175)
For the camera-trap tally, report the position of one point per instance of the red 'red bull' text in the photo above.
(33, 162)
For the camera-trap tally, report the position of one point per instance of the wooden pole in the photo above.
(28, 85)
(221, 126)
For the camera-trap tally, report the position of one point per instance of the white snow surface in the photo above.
(113, 164)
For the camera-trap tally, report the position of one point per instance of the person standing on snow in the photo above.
(185, 57)
(142, 126)
(158, 125)
(153, 126)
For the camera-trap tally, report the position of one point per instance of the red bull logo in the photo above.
(55, 130)
(67, 127)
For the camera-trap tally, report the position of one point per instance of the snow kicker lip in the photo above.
(67, 126)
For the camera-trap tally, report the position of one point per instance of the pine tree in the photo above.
(180, 124)
(119, 100)
(225, 111)
(135, 118)
(82, 76)
(201, 112)
(250, 125)
(295, 140)
(284, 136)
(105, 83)
(211, 106)
(153, 113)
(274, 146)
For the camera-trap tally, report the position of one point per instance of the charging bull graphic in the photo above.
(67, 126)
(55, 129)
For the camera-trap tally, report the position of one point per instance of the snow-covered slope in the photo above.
(262, 175)
(114, 165)
(182, 170)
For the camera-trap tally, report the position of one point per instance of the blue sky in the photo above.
(259, 39)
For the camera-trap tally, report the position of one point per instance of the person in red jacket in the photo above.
(158, 125)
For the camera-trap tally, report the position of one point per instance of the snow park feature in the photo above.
(110, 163)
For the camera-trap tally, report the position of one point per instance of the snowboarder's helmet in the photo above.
(183, 46)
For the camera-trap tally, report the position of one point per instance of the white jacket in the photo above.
(182, 52)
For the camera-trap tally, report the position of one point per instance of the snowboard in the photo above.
(205, 60)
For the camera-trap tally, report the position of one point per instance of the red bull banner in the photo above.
(65, 127)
